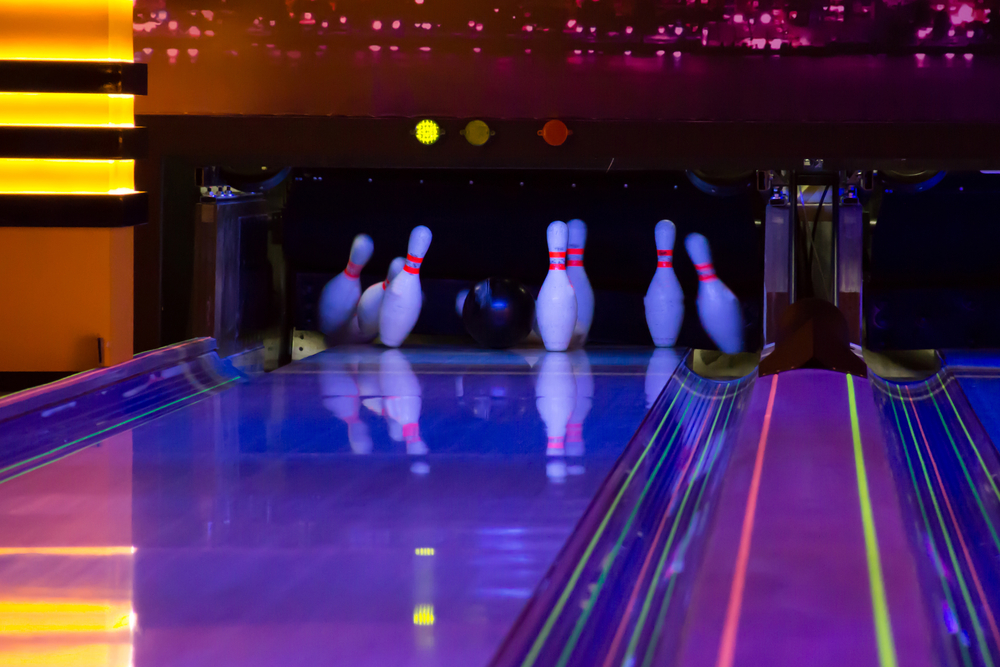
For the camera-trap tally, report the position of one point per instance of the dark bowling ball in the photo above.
(498, 312)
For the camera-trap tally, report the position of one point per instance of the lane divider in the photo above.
(727, 646)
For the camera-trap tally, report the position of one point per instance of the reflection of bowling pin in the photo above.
(661, 367)
(718, 308)
(401, 397)
(555, 307)
(664, 299)
(460, 302)
(371, 303)
(342, 398)
(339, 298)
(403, 298)
(584, 401)
(555, 391)
(578, 277)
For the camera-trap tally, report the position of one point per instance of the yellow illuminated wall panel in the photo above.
(66, 176)
(66, 30)
(66, 109)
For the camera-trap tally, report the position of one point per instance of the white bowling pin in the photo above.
(401, 397)
(581, 284)
(660, 369)
(342, 398)
(555, 391)
(555, 307)
(371, 303)
(460, 302)
(718, 308)
(584, 401)
(339, 299)
(664, 299)
(403, 298)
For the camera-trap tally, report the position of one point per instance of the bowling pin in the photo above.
(581, 284)
(339, 299)
(660, 369)
(664, 299)
(555, 307)
(555, 392)
(718, 308)
(460, 302)
(403, 297)
(342, 398)
(371, 303)
(401, 398)
(575, 447)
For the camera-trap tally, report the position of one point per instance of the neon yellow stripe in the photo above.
(880, 608)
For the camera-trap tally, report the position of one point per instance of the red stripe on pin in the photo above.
(415, 260)
(412, 269)
(665, 265)
(575, 262)
(353, 270)
(557, 267)
(665, 253)
(557, 255)
(575, 251)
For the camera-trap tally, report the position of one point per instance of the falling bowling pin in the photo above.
(556, 307)
(403, 298)
(664, 299)
(339, 299)
(581, 284)
(555, 391)
(371, 303)
(718, 308)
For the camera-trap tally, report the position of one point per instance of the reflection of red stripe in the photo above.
(555, 443)
(353, 270)
(411, 432)
(557, 267)
(665, 265)
(574, 432)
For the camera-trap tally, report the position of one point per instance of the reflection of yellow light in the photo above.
(427, 132)
(44, 617)
(19, 175)
(423, 614)
(66, 30)
(74, 655)
(66, 109)
(66, 551)
(424, 551)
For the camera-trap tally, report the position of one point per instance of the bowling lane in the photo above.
(364, 506)
(808, 561)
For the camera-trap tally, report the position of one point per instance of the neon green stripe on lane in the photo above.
(880, 607)
(543, 635)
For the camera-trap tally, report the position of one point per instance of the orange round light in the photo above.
(554, 132)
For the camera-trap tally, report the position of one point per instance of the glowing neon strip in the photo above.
(956, 568)
(979, 457)
(647, 603)
(661, 617)
(727, 645)
(880, 607)
(609, 561)
(965, 471)
(958, 532)
(927, 527)
(66, 551)
(561, 602)
(97, 433)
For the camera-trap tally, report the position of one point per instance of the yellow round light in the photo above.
(427, 132)
(477, 132)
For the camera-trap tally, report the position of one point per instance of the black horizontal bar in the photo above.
(69, 76)
(96, 143)
(73, 210)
